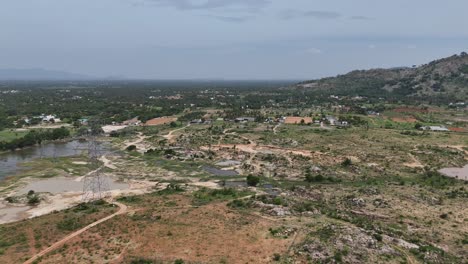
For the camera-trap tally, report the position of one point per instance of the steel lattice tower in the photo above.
(95, 184)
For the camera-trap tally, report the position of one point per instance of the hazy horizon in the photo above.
(227, 39)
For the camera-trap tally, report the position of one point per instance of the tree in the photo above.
(346, 163)
(253, 180)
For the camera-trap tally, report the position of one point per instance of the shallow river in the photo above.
(10, 161)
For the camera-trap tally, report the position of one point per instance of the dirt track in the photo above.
(123, 209)
(170, 137)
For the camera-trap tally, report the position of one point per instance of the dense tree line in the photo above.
(35, 137)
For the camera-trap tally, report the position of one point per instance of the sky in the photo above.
(228, 39)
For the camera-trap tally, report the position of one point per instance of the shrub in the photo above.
(33, 200)
(346, 163)
(253, 180)
(378, 237)
(131, 148)
(11, 199)
(312, 178)
(172, 188)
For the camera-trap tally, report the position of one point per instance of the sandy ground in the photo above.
(415, 163)
(110, 128)
(266, 149)
(63, 193)
(107, 162)
(80, 162)
(12, 213)
(63, 185)
(139, 143)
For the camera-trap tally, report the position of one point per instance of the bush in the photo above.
(142, 261)
(312, 178)
(378, 237)
(238, 204)
(33, 200)
(253, 180)
(70, 224)
(172, 188)
(346, 163)
(11, 199)
(131, 148)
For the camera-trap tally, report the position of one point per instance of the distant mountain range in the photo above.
(445, 78)
(40, 74)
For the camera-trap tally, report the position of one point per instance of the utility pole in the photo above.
(95, 185)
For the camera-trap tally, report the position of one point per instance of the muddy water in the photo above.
(458, 173)
(10, 161)
(218, 172)
(62, 185)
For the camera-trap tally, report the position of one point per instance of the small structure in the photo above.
(244, 119)
(83, 121)
(49, 118)
(342, 123)
(131, 122)
(332, 120)
(196, 121)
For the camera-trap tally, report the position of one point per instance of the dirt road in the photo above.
(123, 209)
(170, 137)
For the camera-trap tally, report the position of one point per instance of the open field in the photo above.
(233, 175)
(8, 135)
(358, 195)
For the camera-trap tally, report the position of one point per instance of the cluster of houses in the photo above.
(443, 129)
(295, 120)
(435, 128)
(42, 118)
(333, 121)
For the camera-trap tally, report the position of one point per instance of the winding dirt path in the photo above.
(415, 162)
(140, 139)
(275, 129)
(123, 209)
(170, 137)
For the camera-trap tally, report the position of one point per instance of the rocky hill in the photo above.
(444, 78)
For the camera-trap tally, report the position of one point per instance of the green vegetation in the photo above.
(35, 137)
(252, 180)
(204, 195)
(9, 135)
(172, 188)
